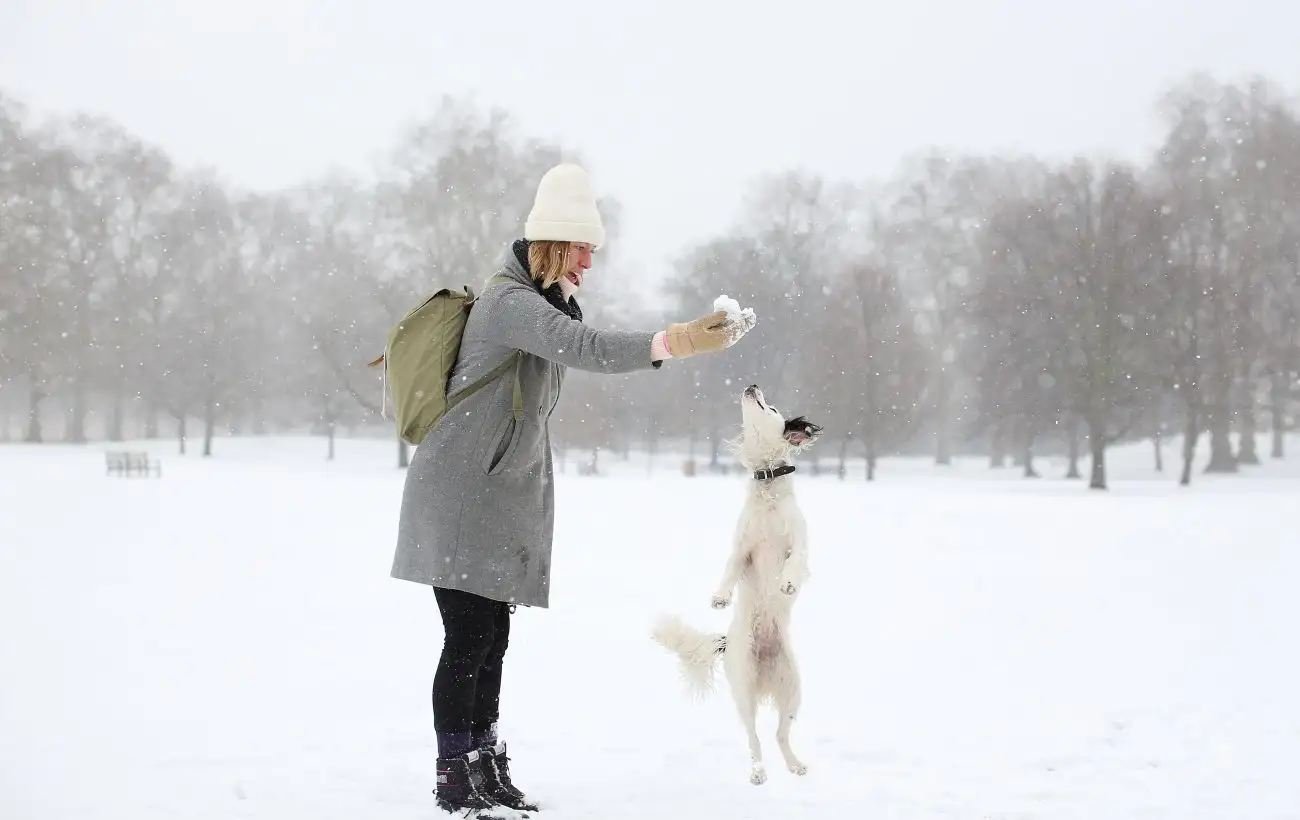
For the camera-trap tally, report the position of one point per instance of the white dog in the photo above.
(769, 562)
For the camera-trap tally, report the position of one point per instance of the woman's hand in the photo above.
(707, 334)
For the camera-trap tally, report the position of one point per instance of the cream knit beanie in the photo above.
(564, 209)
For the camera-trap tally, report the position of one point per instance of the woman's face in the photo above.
(578, 262)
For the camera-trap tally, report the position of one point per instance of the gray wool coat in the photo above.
(478, 508)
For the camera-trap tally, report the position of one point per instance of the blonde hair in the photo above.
(548, 261)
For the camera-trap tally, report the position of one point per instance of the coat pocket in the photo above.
(501, 446)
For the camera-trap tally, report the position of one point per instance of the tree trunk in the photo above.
(1029, 472)
(1158, 444)
(330, 434)
(1191, 432)
(151, 412)
(5, 410)
(1247, 452)
(35, 397)
(844, 457)
(403, 454)
(869, 450)
(1073, 471)
(209, 422)
(180, 429)
(1097, 448)
(1277, 401)
(943, 446)
(943, 436)
(998, 447)
(1222, 459)
(76, 432)
(1027, 457)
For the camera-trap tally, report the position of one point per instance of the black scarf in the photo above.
(554, 294)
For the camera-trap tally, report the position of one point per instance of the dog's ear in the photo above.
(800, 432)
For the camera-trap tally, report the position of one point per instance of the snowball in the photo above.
(726, 303)
(732, 308)
(739, 321)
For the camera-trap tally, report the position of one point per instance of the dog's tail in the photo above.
(698, 651)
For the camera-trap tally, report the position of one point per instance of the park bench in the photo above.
(131, 464)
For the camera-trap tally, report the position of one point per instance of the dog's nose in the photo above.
(752, 389)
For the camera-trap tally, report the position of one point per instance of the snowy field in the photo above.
(226, 643)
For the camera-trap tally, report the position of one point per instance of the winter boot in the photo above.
(460, 787)
(496, 779)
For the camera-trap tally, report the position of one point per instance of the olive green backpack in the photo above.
(419, 358)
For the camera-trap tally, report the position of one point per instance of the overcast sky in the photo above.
(675, 104)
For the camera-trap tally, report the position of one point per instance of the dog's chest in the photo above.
(773, 516)
(768, 538)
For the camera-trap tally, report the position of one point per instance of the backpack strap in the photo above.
(519, 390)
(515, 359)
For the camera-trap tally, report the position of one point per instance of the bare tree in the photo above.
(1082, 257)
(968, 302)
(1021, 364)
(709, 382)
(20, 260)
(131, 182)
(930, 237)
(880, 358)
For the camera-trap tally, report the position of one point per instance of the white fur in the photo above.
(767, 568)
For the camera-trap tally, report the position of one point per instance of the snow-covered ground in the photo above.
(226, 643)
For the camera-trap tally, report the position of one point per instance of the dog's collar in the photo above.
(773, 472)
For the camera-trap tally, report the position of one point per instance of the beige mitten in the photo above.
(704, 335)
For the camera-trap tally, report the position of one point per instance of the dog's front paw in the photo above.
(721, 601)
(789, 588)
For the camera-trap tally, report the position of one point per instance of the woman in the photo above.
(477, 510)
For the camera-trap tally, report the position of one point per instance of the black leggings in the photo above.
(467, 685)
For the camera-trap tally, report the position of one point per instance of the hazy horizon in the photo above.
(674, 110)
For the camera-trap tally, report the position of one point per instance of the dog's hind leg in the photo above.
(792, 762)
(788, 697)
(748, 707)
(744, 692)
